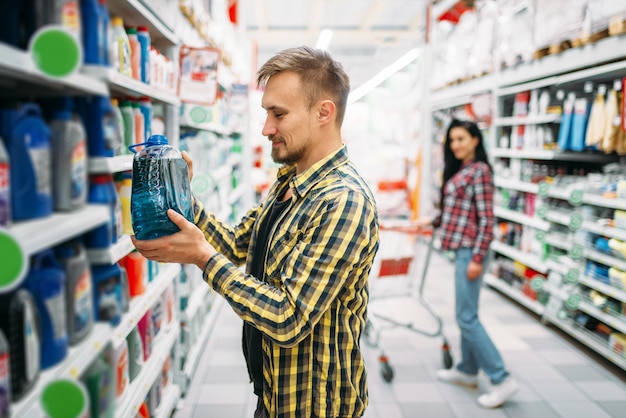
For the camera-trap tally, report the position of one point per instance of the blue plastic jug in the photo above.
(46, 280)
(102, 190)
(160, 182)
(101, 122)
(107, 293)
(95, 19)
(27, 141)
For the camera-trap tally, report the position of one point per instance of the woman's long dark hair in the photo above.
(451, 165)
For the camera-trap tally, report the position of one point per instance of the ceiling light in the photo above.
(387, 72)
(324, 40)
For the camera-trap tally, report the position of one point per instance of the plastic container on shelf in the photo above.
(107, 293)
(119, 47)
(19, 321)
(146, 109)
(128, 120)
(5, 378)
(146, 331)
(99, 379)
(135, 265)
(160, 182)
(104, 125)
(124, 194)
(5, 187)
(95, 27)
(143, 36)
(79, 293)
(27, 140)
(140, 135)
(102, 191)
(46, 281)
(69, 158)
(135, 354)
(120, 357)
(135, 53)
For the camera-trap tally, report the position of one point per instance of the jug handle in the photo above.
(131, 148)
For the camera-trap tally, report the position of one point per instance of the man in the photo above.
(308, 248)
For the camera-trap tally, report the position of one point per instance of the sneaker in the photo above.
(457, 377)
(498, 394)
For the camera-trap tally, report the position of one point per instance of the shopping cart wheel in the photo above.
(446, 357)
(385, 369)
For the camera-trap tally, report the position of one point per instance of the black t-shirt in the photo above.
(251, 338)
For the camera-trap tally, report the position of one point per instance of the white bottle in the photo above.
(119, 44)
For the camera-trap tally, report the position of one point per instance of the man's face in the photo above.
(288, 124)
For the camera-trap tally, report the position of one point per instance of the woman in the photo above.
(466, 224)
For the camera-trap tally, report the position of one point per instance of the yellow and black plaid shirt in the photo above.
(311, 306)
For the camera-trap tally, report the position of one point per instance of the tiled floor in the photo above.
(558, 378)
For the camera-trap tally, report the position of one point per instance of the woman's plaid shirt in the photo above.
(312, 304)
(467, 218)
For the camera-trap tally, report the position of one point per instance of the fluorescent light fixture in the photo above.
(386, 72)
(324, 40)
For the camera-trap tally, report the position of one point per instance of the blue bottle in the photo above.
(102, 190)
(143, 36)
(160, 182)
(95, 22)
(107, 293)
(102, 124)
(27, 140)
(46, 280)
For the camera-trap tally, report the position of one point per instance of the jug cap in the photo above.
(153, 140)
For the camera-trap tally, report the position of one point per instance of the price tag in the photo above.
(573, 301)
(537, 282)
(576, 197)
(74, 372)
(576, 252)
(575, 222)
(572, 275)
(544, 189)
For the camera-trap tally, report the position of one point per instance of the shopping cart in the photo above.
(396, 266)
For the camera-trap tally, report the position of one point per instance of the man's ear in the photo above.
(326, 111)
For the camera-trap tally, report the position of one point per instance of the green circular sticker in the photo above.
(201, 183)
(544, 189)
(575, 221)
(55, 51)
(542, 211)
(576, 252)
(536, 283)
(573, 301)
(540, 236)
(13, 260)
(199, 114)
(576, 197)
(65, 398)
(572, 275)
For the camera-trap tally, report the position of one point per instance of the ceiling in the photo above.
(368, 35)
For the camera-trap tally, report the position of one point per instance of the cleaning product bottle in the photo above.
(146, 331)
(121, 369)
(5, 187)
(5, 378)
(69, 158)
(146, 109)
(102, 190)
(119, 47)
(19, 321)
(107, 293)
(125, 191)
(27, 140)
(160, 182)
(135, 53)
(128, 118)
(103, 124)
(100, 383)
(46, 281)
(79, 296)
(95, 29)
(138, 121)
(143, 36)
(135, 265)
(135, 354)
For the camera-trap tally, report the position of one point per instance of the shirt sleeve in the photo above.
(326, 260)
(483, 195)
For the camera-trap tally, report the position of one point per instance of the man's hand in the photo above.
(188, 246)
(189, 162)
(474, 270)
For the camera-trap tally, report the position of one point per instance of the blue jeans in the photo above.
(477, 349)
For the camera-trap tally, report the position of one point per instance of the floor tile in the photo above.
(416, 392)
(226, 374)
(536, 373)
(563, 391)
(604, 391)
(224, 394)
(614, 408)
(549, 342)
(472, 410)
(221, 411)
(579, 409)
(426, 410)
(563, 356)
(581, 373)
(529, 410)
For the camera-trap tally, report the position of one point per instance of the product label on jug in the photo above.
(82, 302)
(4, 194)
(5, 388)
(42, 164)
(31, 346)
(79, 171)
(56, 310)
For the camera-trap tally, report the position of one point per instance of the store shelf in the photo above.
(559, 216)
(197, 298)
(521, 218)
(514, 294)
(614, 321)
(595, 343)
(595, 200)
(606, 259)
(110, 165)
(529, 120)
(194, 354)
(460, 94)
(128, 86)
(559, 241)
(541, 154)
(209, 127)
(136, 392)
(603, 288)
(39, 234)
(78, 359)
(113, 254)
(607, 231)
(527, 259)
(137, 12)
(17, 65)
(221, 173)
(518, 185)
(139, 305)
(169, 399)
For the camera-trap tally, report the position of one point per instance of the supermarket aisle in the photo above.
(557, 378)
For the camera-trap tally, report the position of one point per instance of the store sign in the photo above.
(198, 75)
(55, 51)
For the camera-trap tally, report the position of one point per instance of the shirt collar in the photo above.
(303, 182)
